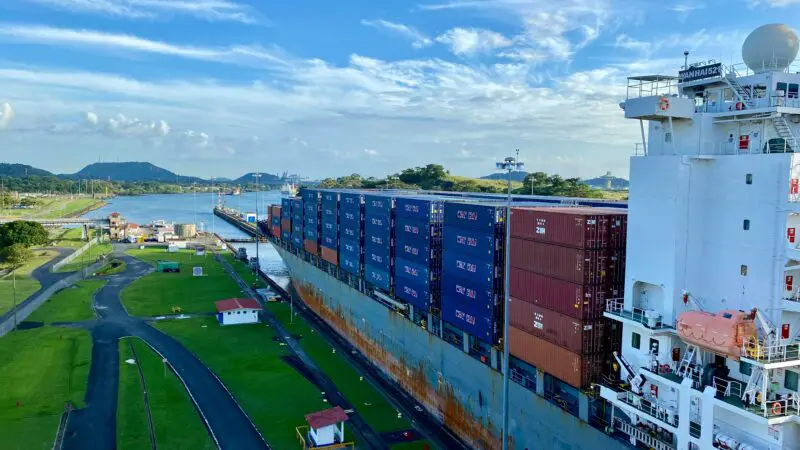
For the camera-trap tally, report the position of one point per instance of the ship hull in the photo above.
(465, 394)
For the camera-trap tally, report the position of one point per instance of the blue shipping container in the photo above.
(312, 221)
(351, 201)
(330, 198)
(350, 263)
(351, 233)
(330, 213)
(469, 267)
(310, 195)
(377, 277)
(297, 206)
(376, 242)
(469, 215)
(419, 209)
(286, 208)
(275, 221)
(378, 205)
(311, 208)
(412, 230)
(297, 228)
(469, 242)
(330, 242)
(475, 320)
(377, 256)
(349, 247)
(329, 229)
(297, 241)
(286, 236)
(413, 249)
(417, 273)
(466, 290)
(377, 225)
(311, 233)
(350, 215)
(412, 292)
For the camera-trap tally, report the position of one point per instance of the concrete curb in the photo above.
(74, 255)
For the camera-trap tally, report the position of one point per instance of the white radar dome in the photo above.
(770, 47)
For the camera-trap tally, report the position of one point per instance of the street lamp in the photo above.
(258, 237)
(510, 164)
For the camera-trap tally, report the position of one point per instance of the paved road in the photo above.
(94, 427)
(44, 276)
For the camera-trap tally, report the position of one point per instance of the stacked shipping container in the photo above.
(311, 213)
(297, 222)
(472, 268)
(418, 238)
(330, 227)
(275, 217)
(378, 216)
(565, 262)
(351, 243)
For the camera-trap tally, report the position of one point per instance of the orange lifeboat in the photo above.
(722, 333)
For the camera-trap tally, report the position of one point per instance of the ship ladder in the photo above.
(754, 383)
(685, 367)
(740, 91)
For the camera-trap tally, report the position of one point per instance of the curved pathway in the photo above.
(94, 427)
(44, 276)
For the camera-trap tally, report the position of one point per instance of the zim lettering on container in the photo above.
(470, 242)
(286, 236)
(311, 221)
(311, 234)
(350, 263)
(329, 213)
(350, 201)
(475, 320)
(349, 247)
(330, 198)
(377, 226)
(473, 216)
(297, 228)
(329, 228)
(352, 216)
(408, 290)
(469, 267)
(311, 208)
(330, 242)
(286, 208)
(350, 233)
(467, 290)
(377, 277)
(297, 241)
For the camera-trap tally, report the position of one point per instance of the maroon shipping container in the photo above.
(330, 255)
(286, 225)
(572, 227)
(559, 362)
(618, 232)
(311, 246)
(583, 337)
(276, 232)
(571, 299)
(569, 264)
(616, 263)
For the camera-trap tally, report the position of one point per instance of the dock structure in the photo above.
(234, 218)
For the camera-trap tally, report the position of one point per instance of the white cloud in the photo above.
(773, 3)
(229, 150)
(92, 118)
(686, 8)
(242, 55)
(525, 54)
(211, 10)
(6, 114)
(468, 41)
(125, 126)
(370, 152)
(702, 43)
(418, 39)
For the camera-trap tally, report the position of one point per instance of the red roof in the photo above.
(327, 417)
(232, 304)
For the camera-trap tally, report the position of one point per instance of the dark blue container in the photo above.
(474, 216)
(376, 242)
(275, 221)
(417, 250)
(470, 267)
(408, 290)
(466, 290)
(377, 256)
(286, 208)
(310, 195)
(311, 208)
(297, 228)
(330, 213)
(350, 247)
(350, 233)
(375, 276)
(378, 205)
(329, 229)
(470, 242)
(350, 263)
(377, 225)
(311, 234)
(330, 242)
(312, 221)
(347, 215)
(297, 206)
(286, 236)
(474, 319)
(412, 230)
(417, 273)
(351, 201)
(330, 198)
(426, 210)
(297, 241)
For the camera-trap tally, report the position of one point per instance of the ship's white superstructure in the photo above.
(289, 189)
(710, 354)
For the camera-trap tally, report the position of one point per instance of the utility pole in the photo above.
(510, 164)
(258, 231)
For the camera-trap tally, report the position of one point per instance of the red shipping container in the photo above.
(569, 264)
(571, 299)
(572, 227)
(616, 266)
(286, 224)
(583, 337)
(276, 232)
(311, 246)
(330, 255)
(559, 362)
(618, 231)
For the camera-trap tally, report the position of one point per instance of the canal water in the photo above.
(198, 209)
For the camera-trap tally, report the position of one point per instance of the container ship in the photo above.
(674, 329)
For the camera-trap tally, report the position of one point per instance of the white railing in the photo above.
(616, 306)
(653, 408)
(742, 70)
(642, 436)
(771, 353)
(729, 388)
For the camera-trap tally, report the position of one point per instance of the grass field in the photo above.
(244, 271)
(26, 285)
(88, 257)
(177, 424)
(40, 370)
(157, 293)
(114, 266)
(249, 362)
(70, 238)
(72, 304)
(54, 207)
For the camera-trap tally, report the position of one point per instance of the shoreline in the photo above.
(96, 205)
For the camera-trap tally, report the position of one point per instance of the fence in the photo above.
(72, 257)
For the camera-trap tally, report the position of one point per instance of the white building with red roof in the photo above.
(234, 311)
(326, 427)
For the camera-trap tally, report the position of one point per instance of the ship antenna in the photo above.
(685, 59)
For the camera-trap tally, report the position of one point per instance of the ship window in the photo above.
(654, 347)
(746, 224)
(790, 380)
(760, 91)
(727, 315)
(793, 90)
(781, 87)
(745, 368)
(748, 179)
(743, 270)
(636, 340)
(667, 137)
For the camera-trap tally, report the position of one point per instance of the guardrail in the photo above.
(616, 306)
(771, 353)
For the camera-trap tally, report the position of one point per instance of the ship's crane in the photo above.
(635, 378)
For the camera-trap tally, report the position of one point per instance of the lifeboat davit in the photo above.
(722, 333)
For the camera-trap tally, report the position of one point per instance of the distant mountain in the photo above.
(608, 181)
(22, 170)
(515, 176)
(265, 178)
(132, 171)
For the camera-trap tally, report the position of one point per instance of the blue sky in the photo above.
(321, 88)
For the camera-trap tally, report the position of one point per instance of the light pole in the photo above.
(258, 234)
(510, 164)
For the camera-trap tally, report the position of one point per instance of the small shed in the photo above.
(172, 248)
(168, 266)
(326, 427)
(234, 311)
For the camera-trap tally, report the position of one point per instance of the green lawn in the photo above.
(88, 257)
(157, 293)
(40, 370)
(70, 238)
(26, 285)
(366, 399)
(416, 445)
(248, 361)
(176, 422)
(244, 271)
(54, 207)
(72, 304)
(114, 266)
